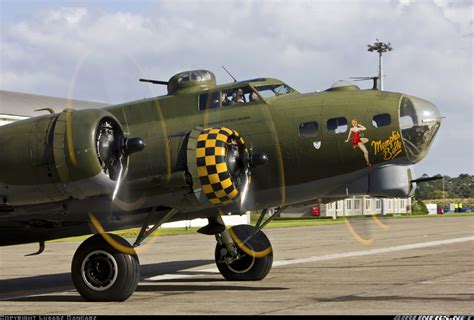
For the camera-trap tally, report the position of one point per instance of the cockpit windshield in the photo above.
(273, 90)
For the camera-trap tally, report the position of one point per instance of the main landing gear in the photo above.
(239, 261)
(101, 272)
(105, 267)
(243, 252)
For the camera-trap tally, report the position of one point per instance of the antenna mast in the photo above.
(235, 80)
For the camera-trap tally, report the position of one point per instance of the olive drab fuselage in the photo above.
(271, 126)
(320, 145)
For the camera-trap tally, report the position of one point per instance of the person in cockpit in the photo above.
(239, 96)
(254, 97)
(224, 101)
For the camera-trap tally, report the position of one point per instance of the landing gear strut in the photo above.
(237, 261)
(244, 252)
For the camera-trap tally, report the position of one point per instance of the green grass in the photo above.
(423, 215)
(299, 222)
(132, 233)
(276, 223)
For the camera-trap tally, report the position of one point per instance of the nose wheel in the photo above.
(102, 273)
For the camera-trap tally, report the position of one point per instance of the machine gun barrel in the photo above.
(426, 179)
(154, 81)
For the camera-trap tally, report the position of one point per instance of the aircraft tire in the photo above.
(102, 273)
(250, 267)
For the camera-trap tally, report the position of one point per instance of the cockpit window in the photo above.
(273, 90)
(209, 100)
(243, 94)
(228, 97)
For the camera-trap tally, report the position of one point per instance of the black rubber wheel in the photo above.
(249, 267)
(102, 273)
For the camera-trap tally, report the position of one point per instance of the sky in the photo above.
(97, 50)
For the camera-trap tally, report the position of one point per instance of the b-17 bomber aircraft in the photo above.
(201, 151)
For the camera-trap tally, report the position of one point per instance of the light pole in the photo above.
(444, 195)
(380, 47)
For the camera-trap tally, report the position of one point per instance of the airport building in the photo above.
(365, 205)
(352, 206)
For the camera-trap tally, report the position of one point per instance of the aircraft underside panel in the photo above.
(389, 180)
(53, 221)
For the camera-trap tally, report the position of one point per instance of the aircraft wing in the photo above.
(17, 105)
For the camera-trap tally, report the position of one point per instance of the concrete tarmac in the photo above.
(413, 266)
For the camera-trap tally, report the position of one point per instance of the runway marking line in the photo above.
(331, 256)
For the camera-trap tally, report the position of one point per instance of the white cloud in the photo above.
(459, 12)
(309, 44)
(72, 16)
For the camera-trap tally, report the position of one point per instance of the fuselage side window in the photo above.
(308, 129)
(381, 120)
(337, 125)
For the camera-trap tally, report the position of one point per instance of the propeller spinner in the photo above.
(113, 147)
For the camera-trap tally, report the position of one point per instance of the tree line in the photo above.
(459, 187)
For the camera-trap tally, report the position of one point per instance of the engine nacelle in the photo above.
(74, 154)
(218, 161)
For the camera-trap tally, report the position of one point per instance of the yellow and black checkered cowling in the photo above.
(211, 151)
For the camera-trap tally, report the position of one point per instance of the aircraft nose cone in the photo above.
(419, 122)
